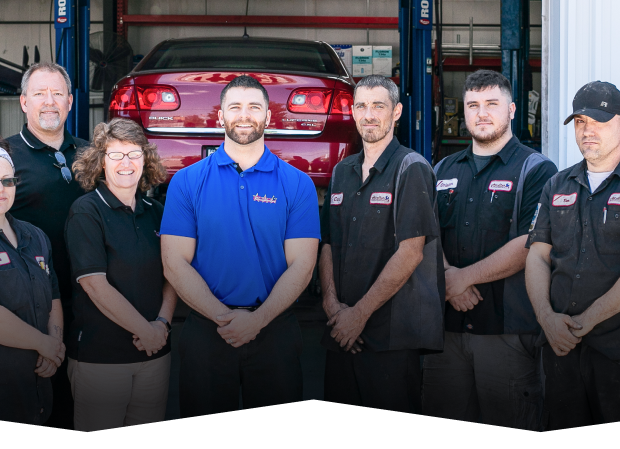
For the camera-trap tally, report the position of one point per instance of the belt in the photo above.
(248, 308)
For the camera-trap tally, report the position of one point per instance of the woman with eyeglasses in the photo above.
(31, 320)
(118, 347)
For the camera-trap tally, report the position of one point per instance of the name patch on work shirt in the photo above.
(500, 186)
(381, 198)
(614, 198)
(4, 259)
(560, 200)
(444, 184)
(337, 199)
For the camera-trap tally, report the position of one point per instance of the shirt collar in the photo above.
(504, 154)
(21, 232)
(30, 140)
(112, 202)
(383, 159)
(579, 171)
(265, 163)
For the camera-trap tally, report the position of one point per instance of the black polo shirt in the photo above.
(106, 237)
(480, 211)
(585, 253)
(26, 290)
(43, 197)
(364, 222)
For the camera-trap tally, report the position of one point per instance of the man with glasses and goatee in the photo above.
(43, 152)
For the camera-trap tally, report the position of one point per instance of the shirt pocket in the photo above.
(14, 294)
(610, 231)
(496, 214)
(563, 221)
(378, 226)
(446, 204)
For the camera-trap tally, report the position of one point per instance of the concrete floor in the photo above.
(312, 320)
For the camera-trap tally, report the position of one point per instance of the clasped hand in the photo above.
(153, 340)
(51, 355)
(348, 324)
(238, 327)
(459, 293)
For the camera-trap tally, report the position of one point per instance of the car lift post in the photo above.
(515, 44)
(415, 25)
(72, 23)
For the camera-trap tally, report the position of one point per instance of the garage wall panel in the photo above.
(580, 45)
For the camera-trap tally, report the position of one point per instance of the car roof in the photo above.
(242, 39)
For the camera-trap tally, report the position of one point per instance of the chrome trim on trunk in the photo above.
(272, 132)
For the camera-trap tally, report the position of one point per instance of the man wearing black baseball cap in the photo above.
(573, 269)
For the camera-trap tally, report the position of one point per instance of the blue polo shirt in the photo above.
(240, 221)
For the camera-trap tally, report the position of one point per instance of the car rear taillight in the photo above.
(310, 101)
(123, 100)
(157, 98)
(343, 103)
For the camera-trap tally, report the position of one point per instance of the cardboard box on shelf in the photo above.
(345, 52)
(451, 126)
(362, 60)
(382, 60)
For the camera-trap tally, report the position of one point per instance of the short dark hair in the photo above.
(372, 81)
(246, 82)
(487, 79)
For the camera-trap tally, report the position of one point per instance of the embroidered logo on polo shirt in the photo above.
(381, 198)
(561, 200)
(614, 198)
(500, 186)
(337, 199)
(4, 259)
(444, 184)
(264, 199)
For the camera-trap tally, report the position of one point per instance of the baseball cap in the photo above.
(598, 100)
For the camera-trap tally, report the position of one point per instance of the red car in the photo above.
(174, 94)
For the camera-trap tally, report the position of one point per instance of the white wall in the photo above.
(580, 44)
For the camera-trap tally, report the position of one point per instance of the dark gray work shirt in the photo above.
(480, 211)
(364, 222)
(584, 231)
(27, 291)
(43, 197)
(105, 237)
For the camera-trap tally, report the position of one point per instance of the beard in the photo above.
(258, 129)
(374, 135)
(50, 123)
(487, 138)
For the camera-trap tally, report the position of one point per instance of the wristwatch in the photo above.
(165, 321)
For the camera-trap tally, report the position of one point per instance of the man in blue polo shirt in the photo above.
(240, 234)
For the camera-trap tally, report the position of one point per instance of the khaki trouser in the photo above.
(116, 395)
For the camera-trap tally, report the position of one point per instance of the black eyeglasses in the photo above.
(62, 165)
(8, 182)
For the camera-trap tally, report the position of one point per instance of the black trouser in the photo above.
(267, 369)
(581, 388)
(389, 380)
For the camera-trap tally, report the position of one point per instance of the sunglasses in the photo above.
(8, 182)
(118, 156)
(62, 165)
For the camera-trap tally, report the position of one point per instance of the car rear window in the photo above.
(243, 55)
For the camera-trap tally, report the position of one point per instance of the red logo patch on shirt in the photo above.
(500, 186)
(336, 199)
(264, 199)
(4, 259)
(561, 200)
(384, 198)
(614, 198)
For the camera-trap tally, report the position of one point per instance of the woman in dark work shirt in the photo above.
(119, 355)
